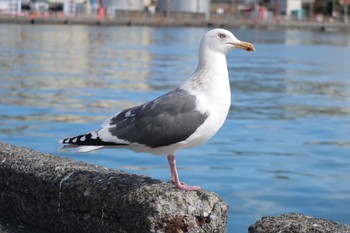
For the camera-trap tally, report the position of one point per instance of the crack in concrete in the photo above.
(60, 189)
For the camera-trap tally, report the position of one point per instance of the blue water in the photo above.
(284, 148)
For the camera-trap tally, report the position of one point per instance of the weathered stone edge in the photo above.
(62, 195)
(297, 223)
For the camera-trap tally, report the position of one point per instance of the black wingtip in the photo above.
(89, 139)
(74, 140)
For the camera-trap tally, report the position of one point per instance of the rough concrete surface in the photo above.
(297, 223)
(56, 194)
(11, 226)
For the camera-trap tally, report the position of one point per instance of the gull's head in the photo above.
(223, 41)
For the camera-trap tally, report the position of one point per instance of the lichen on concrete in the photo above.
(57, 194)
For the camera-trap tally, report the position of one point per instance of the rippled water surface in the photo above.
(285, 146)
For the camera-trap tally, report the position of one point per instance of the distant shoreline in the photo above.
(176, 22)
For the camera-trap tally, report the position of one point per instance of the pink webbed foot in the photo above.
(175, 178)
(184, 186)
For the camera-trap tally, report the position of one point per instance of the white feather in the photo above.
(82, 149)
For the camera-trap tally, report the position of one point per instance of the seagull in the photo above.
(182, 118)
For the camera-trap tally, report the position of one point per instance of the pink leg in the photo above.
(175, 177)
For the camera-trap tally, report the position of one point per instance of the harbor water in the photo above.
(285, 146)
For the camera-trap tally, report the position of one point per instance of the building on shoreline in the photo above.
(204, 10)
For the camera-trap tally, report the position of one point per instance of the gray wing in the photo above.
(166, 120)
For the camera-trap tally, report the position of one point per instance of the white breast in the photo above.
(213, 97)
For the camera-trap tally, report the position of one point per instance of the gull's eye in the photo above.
(222, 35)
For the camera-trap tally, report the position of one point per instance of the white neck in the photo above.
(211, 72)
(210, 84)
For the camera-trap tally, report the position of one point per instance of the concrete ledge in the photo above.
(57, 194)
(297, 223)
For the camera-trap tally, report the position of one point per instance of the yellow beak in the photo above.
(244, 45)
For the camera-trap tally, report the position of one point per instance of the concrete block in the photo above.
(57, 194)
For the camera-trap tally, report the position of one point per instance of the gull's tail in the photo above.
(87, 142)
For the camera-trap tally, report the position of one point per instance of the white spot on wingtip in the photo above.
(93, 135)
(82, 138)
(128, 113)
(74, 140)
